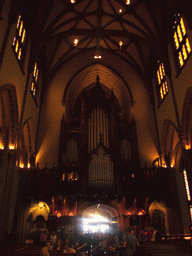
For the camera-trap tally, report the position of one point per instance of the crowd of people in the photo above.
(96, 244)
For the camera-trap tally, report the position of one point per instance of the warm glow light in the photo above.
(181, 59)
(120, 10)
(21, 165)
(97, 56)
(120, 43)
(128, 2)
(11, 147)
(75, 42)
(18, 21)
(41, 205)
(188, 45)
(187, 147)
(176, 40)
(187, 187)
(182, 26)
(72, 1)
(28, 166)
(191, 211)
(21, 28)
(179, 33)
(58, 214)
(23, 36)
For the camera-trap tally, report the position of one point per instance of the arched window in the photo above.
(19, 40)
(181, 41)
(162, 87)
(34, 82)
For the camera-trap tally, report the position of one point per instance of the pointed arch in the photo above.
(169, 141)
(27, 144)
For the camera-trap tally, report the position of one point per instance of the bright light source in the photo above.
(75, 42)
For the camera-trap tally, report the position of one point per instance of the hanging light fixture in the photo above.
(98, 51)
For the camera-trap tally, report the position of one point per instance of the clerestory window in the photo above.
(181, 41)
(19, 41)
(162, 87)
(34, 82)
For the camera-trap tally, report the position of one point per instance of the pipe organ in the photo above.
(101, 169)
(97, 144)
(71, 151)
(98, 125)
(100, 165)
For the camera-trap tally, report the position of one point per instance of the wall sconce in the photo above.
(21, 165)
(11, 147)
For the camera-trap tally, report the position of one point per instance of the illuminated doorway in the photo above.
(99, 219)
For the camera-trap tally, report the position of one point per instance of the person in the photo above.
(43, 238)
(130, 243)
(68, 248)
(154, 235)
(142, 236)
(44, 251)
(82, 244)
(53, 238)
(148, 234)
(58, 246)
(113, 246)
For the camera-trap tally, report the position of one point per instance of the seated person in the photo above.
(44, 251)
(53, 239)
(58, 245)
(68, 248)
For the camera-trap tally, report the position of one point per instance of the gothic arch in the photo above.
(27, 144)
(169, 141)
(160, 209)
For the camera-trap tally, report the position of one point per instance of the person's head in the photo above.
(44, 251)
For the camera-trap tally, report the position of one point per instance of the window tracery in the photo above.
(19, 40)
(181, 41)
(162, 87)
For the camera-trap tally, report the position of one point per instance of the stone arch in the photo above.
(169, 141)
(27, 145)
(158, 210)
(40, 209)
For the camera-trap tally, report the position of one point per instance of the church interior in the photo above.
(95, 116)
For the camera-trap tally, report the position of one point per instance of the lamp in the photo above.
(98, 51)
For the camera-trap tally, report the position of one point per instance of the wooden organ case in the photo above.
(97, 146)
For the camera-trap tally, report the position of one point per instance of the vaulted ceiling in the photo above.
(125, 30)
